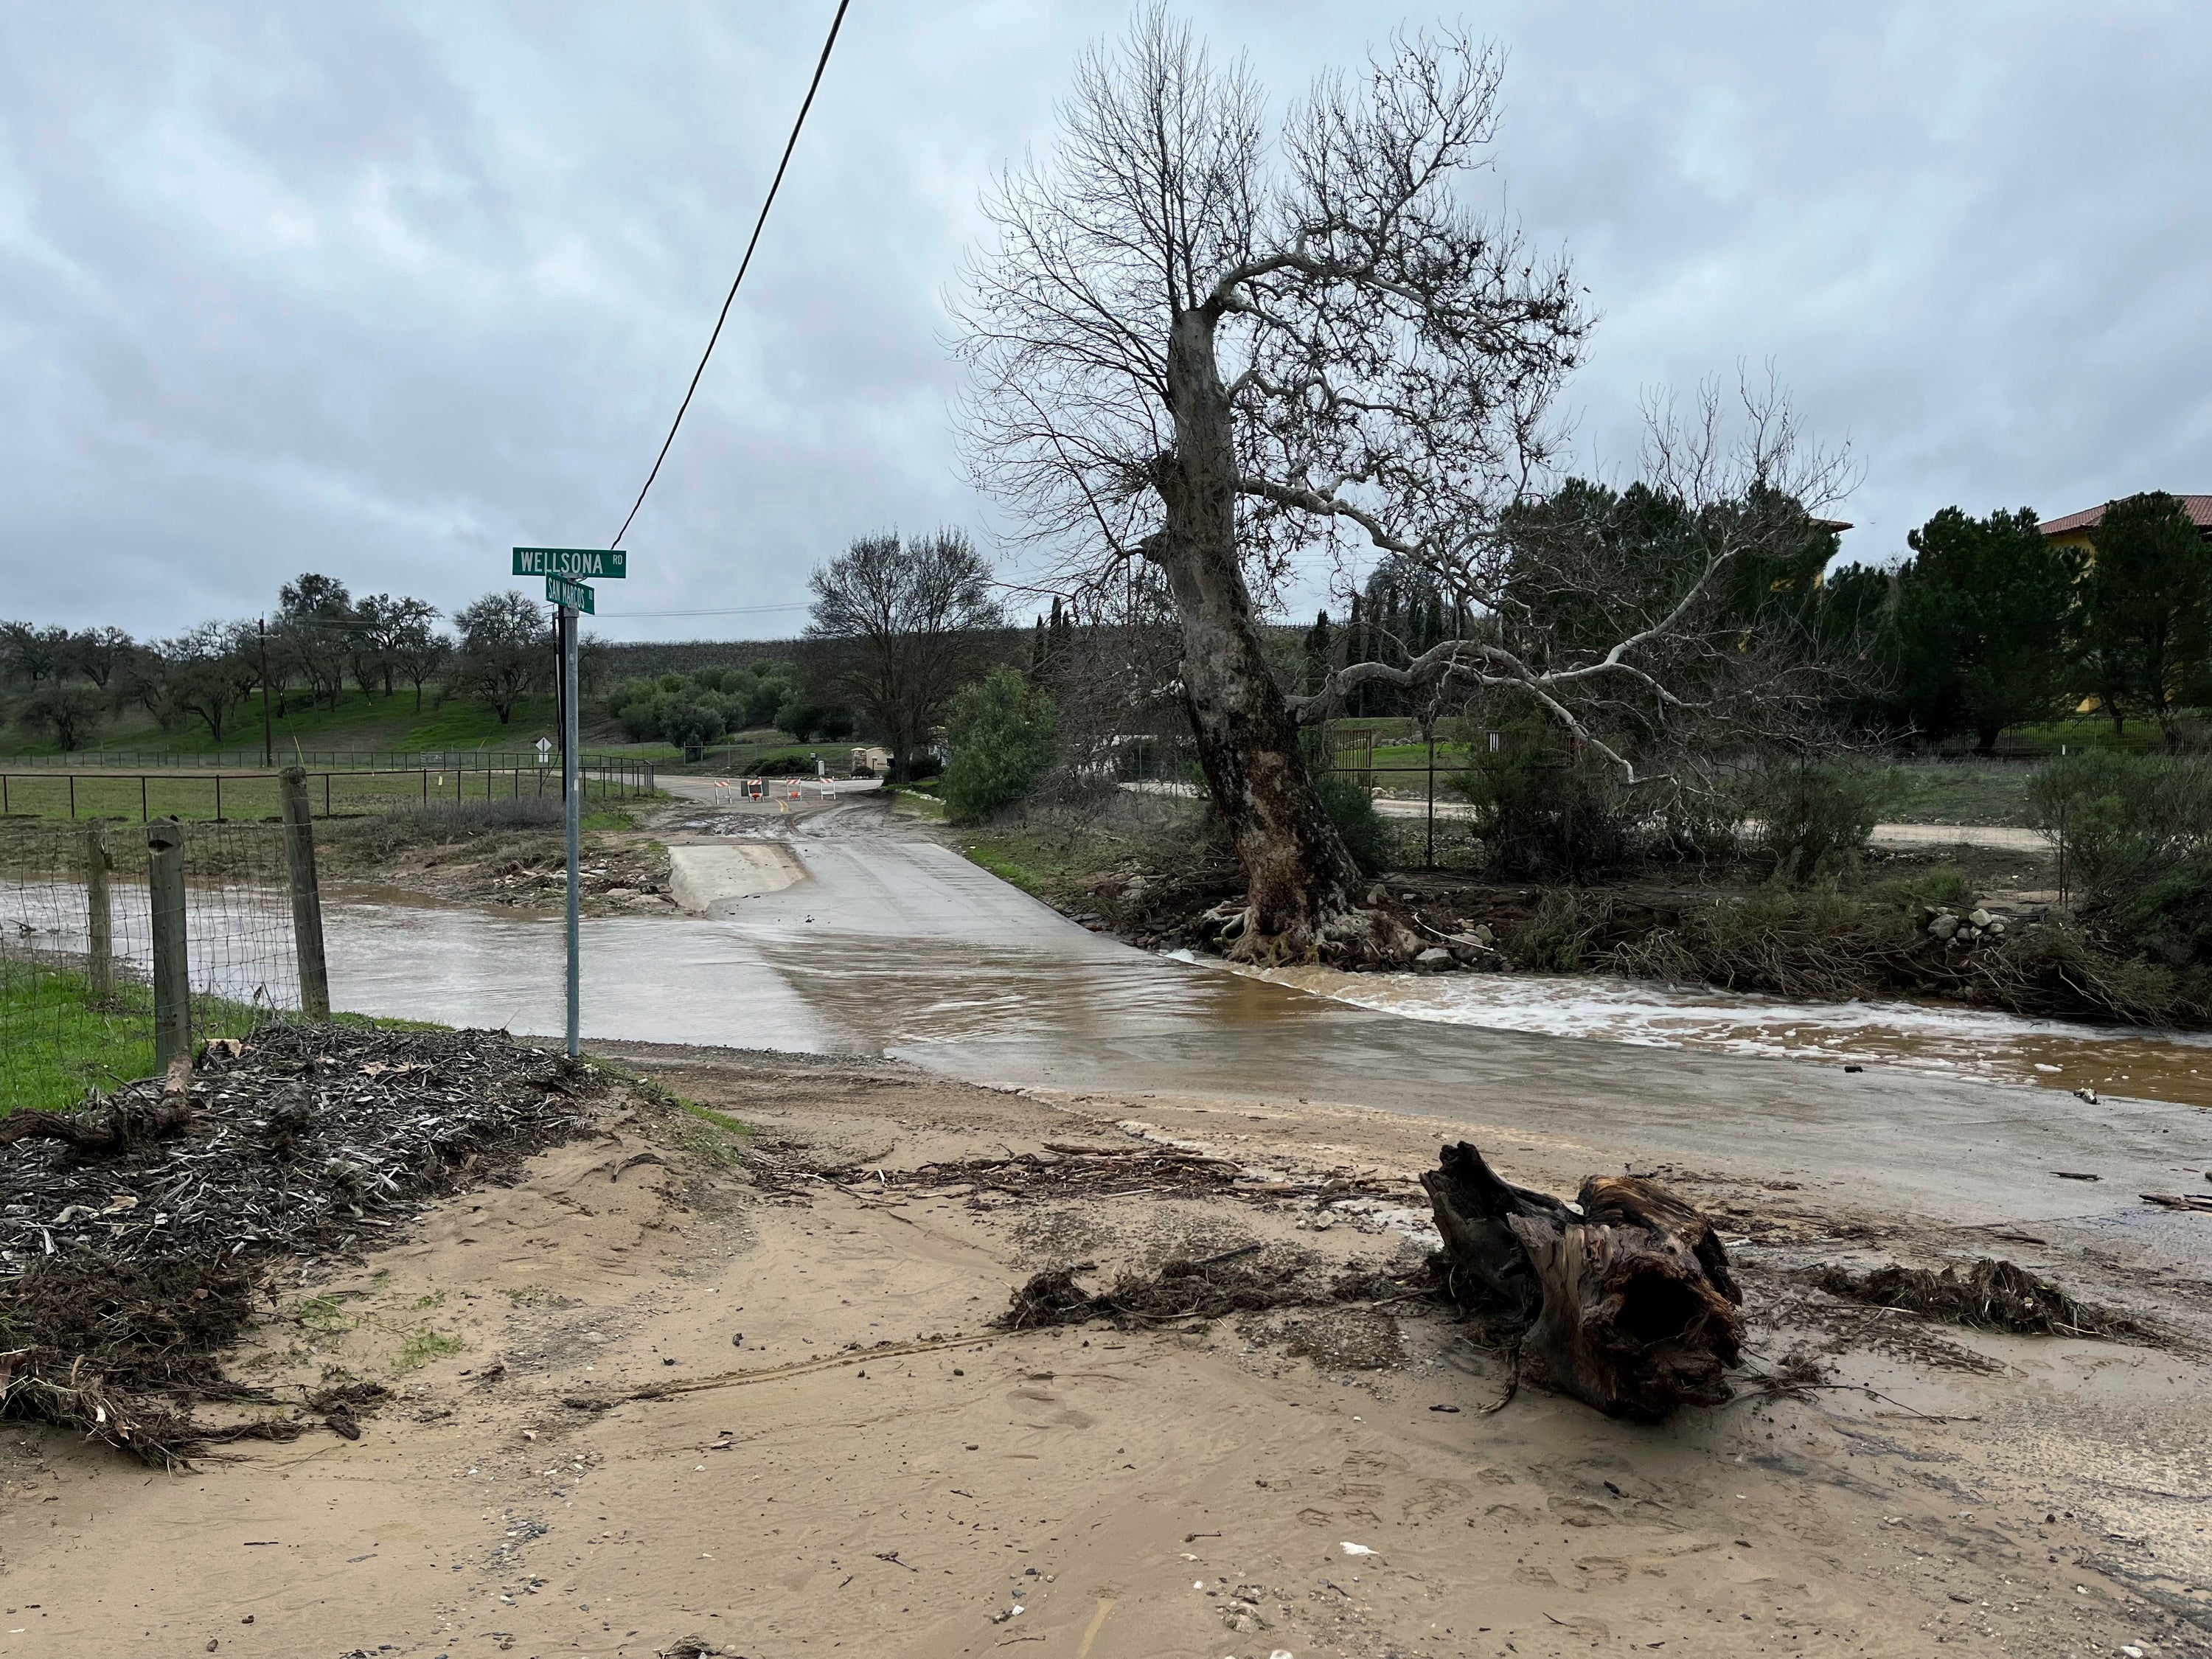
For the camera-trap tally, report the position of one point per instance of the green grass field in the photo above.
(358, 721)
(58, 1045)
(195, 796)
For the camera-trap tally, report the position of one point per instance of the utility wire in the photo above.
(732, 611)
(822, 63)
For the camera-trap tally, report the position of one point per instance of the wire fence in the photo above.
(220, 797)
(615, 767)
(77, 964)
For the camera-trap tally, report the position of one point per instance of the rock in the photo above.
(1436, 960)
(1980, 917)
(1484, 936)
(1943, 926)
(1995, 927)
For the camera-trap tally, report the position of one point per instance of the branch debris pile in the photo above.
(1991, 1296)
(1248, 1280)
(126, 1243)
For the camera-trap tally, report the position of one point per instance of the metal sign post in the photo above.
(566, 569)
(573, 815)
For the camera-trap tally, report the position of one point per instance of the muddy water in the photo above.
(884, 947)
(1946, 1041)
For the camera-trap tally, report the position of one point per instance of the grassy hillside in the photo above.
(357, 722)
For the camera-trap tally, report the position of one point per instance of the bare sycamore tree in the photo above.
(1197, 348)
(899, 621)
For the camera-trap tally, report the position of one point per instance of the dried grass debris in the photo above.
(1992, 1295)
(1248, 1280)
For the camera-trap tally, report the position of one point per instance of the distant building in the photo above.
(2076, 529)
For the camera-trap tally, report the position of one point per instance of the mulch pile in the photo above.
(132, 1230)
(1991, 1296)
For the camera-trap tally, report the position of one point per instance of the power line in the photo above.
(732, 611)
(775, 185)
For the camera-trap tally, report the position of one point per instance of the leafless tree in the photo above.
(1196, 347)
(1221, 354)
(901, 621)
(1665, 628)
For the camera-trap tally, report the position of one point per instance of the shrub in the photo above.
(1360, 827)
(1539, 816)
(1813, 817)
(1001, 731)
(700, 707)
(2125, 821)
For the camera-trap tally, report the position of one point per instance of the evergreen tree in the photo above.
(2147, 610)
(1982, 613)
(1318, 646)
(1355, 650)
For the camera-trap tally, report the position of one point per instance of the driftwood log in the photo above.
(1623, 1299)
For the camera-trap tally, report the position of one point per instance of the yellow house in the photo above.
(2075, 528)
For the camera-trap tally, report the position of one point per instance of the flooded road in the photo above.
(891, 942)
(1942, 1040)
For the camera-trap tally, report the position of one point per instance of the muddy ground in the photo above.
(675, 1382)
(623, 872)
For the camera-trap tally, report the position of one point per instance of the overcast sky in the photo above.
(381, 290)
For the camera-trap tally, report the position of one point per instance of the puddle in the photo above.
(1950, 1041)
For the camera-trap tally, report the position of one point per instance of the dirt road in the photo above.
(672, 1384)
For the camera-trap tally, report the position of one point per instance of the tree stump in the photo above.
(1628, 1304)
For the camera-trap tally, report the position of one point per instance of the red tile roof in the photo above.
(2199, 508)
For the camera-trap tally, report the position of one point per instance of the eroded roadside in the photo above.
(672, 1380)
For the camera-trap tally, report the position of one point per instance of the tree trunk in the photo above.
(1629, 1306)
(1301, 881)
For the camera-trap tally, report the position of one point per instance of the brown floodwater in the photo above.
(1931, 1037)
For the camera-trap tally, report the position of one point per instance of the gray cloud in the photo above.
(379, 291)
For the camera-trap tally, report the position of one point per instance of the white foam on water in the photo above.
(1966, 1042)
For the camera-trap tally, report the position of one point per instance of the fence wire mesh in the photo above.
(77, 951)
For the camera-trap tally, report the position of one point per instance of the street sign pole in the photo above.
(566, 570)
(573, 815)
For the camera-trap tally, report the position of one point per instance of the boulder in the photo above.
(1943, 926)
(1980, 917)
(1436, 960)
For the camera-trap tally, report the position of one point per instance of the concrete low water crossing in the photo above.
(891, 943)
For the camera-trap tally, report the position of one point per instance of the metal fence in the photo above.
(638, 774)
(251, 795)
(117, 944)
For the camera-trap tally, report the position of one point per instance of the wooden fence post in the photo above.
(172, 980)
(100, 949)
(306, 894)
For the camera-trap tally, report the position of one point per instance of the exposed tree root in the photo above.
(1623, 1300)
(1350, 938)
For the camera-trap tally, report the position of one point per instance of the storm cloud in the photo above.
(379, 291)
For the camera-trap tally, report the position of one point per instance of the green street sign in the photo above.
(582, 564)
(561, 591)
